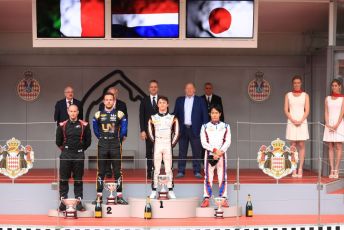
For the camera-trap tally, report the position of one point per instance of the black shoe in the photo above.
(120, 200)
(80, 207)
(62, 207)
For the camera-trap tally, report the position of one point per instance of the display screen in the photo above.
(223, 19)
(70, 18)
(145, 18)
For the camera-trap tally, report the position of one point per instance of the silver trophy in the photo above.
(163, 190)
(70, 207)
(112, 187)
(219, 202)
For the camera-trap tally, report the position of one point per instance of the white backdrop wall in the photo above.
(229, 74)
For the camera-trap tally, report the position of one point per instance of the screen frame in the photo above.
(179, 4)
(186, 24)
(35, 15)
(108, 42)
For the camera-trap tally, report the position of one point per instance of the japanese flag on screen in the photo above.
(233, 19)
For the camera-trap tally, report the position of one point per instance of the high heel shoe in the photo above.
(331, 176)
(336, 174)
(300, 173)
(294, 175)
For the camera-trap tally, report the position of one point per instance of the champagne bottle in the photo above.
(98, 209)
(148, 209)
(249, 207)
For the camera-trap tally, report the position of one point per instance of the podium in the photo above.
(112, 210)
(172, 208)
(161, 209)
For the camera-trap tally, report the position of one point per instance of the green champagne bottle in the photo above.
(148, 209)
(249, 207)
(98, 212)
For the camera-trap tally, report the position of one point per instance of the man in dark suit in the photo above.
(212, 99)
(148, 107)
(62, 106)
(118, 105)
(191, 111)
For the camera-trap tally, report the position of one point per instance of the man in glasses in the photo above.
(61, 107)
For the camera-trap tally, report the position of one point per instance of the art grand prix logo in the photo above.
(277, 160)
(15, 159)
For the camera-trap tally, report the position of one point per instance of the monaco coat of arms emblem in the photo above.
(15, 159)
(277, 160)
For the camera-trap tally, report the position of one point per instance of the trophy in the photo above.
(111, 187)
(163, 190)
(219, 211)
(70, 203)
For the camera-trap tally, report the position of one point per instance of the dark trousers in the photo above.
(71, 164)
(149, 156)
(108, 171)
(113, 154)
(195, 141)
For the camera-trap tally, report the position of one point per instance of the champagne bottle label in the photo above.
(250, 213)
(148, 215)
(98, 214)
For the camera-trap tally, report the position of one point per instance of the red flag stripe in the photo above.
(92, 18)
(144, 6)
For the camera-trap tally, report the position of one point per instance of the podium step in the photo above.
(232, 211)
(173, 208)
(112, 210)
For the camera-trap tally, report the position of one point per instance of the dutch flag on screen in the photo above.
(145, 19)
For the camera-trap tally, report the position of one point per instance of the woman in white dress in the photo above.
(296, 108)
(334, 126)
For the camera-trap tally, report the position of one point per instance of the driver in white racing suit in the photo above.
(215, 139)
(163, 130)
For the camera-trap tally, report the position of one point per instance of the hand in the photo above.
(295, 122)
(28, 148)
(298, 123)
(143, 135)
(216, 157)
(335, 127)
(330, 128)
(218, 152)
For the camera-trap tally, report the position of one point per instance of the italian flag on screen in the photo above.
(70, 18)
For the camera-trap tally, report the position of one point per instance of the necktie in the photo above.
(69, 103)
(208, 99)
(155, 106)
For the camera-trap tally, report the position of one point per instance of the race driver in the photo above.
(215, 139)
(163, 130)
(110, 127)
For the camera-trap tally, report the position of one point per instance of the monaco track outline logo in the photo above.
(15, 159)
(277, 160)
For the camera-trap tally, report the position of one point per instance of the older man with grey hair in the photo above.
(62, 106)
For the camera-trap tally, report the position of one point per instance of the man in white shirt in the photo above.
(148, 107)
(191, 112)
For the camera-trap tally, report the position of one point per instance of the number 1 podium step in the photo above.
(172, 208)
